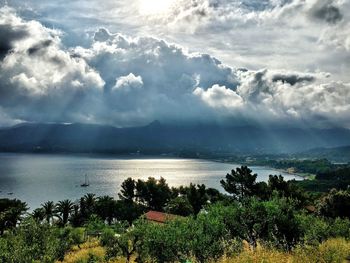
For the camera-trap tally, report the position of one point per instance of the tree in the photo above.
(33, 241)
(90, 201)
(106, 208)
(76, 218)
(197, 196)
(182, 238)
(179, 206)
(11, 212)
(122, 245)
(64, 209)
(153, 193)
(277, 185)
(127, 191)
(273, 221)
(241, 182)
(335, 204)
(163, 243)
(38, 214)
(129, 212)
(214, 195)
(207, 233)
(49, 210)
(87, 206)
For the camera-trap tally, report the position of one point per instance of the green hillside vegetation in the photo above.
(275, 221)
(338, 178)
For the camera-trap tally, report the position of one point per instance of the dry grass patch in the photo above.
(335, 250)
(84, 252)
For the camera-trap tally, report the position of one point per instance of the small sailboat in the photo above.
(86, 183)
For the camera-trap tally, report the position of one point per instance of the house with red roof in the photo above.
(159, 217)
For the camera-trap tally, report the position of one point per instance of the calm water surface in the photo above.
(38, 178)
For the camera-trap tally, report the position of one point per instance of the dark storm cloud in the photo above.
(102, 35)
(292, 79)
(39, 46)
(7, 36)
(40, 81)
(126, 81)
(327, 11)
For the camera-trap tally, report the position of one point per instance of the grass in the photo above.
(308, 176)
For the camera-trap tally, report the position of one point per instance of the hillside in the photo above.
(335, 154)
(157, 138)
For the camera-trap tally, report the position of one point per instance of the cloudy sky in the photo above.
(129, 62)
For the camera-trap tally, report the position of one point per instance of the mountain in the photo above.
(335, 154)
(157, 138)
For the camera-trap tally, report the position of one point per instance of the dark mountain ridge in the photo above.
(157, 138)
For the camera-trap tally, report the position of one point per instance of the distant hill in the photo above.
(157, 138)
(335, 154)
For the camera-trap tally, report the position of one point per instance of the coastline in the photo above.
(302, 176)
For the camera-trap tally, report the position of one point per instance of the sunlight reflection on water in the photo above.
(38, 178)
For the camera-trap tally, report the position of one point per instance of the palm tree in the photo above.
(64, 209)
(39, 214)
(49, 210)
(90, 199)
(76, 217)
(16, 212)
(11, 214)
(90, 202)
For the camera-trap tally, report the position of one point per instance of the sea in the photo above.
(37, 178)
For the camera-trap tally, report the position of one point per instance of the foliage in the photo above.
(179, 206)
(208, 233)
(11, 212)
(129, 212)
(63, 210)
(49, 211)
(122, 245)
(153, 193)
(277, 185)
(180, 239)
(106, 208)
(35, 241)
(330, 251)
(272, 221)
(303, 166)
(128, 188)
(269, 217)
(335, 204)
(317, 229)
(341, 174)
(240, 183)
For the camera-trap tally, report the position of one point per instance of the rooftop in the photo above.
(159, 217)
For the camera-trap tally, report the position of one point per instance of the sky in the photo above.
(130, 62)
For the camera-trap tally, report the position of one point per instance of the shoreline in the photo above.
(303, 176)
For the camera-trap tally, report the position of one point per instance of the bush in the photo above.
(163, 243)
(336, 204)
(31, 241)
(334, 250)
(330, 251)
(317, 229)
(271, 221)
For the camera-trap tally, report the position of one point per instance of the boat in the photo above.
(86, 183)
